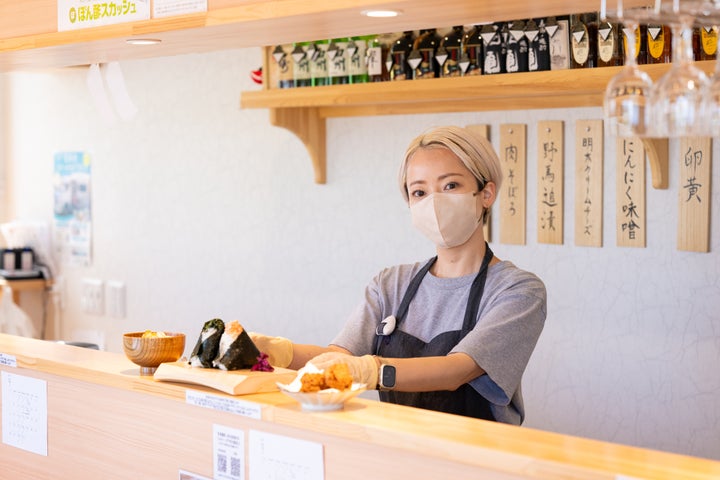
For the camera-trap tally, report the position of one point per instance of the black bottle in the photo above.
(397, 58)
(516, 54)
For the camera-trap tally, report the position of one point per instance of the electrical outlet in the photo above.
(115, 299)
(93, 296)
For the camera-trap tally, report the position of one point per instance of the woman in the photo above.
(454, 333)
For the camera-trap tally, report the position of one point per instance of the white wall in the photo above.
(205, 210)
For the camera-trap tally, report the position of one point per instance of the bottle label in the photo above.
(580, 44)
(511, 57)
(301, 64)
(283, 61)
(338, 61)
(656, 41)
(559, 45)
(606, 43)
(356, 54)
(373, 58)
(709, 40)
(318, 60)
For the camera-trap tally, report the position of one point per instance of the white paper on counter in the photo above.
(280, 457)
(24, 413)
(223, 404)
(228, 453)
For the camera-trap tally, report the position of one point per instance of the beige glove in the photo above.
(363, 369)
(278, 349)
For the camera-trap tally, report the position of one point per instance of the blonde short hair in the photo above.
(473, 150)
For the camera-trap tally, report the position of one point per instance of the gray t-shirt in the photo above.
(510, 318)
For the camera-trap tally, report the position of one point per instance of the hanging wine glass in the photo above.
(627, 94)
(677, 98)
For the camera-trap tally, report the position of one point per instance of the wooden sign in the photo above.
(630, 193)
(550, 182)
(513, 193)
(694, 194)
(589, 156)
(484, 131)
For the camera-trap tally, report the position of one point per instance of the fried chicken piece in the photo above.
(338, 376)
(312, 382)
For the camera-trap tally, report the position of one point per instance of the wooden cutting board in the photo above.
(235, 382)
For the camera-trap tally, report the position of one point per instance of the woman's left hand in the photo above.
(363, 369)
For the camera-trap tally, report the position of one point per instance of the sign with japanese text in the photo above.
(694, 194)
(551, 159)
(630, 193)
(513, 192)
(589, 149)
(78, 14)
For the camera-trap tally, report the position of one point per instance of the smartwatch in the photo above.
(386, 377)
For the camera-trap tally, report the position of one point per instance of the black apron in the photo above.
(463, 401)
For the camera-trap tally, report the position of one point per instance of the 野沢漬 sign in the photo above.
(77, 14)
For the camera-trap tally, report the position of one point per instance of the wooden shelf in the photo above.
(29, 38)
(304, 110)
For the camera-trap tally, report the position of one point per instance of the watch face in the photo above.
(388, 376)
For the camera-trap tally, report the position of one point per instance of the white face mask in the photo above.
(447, 219)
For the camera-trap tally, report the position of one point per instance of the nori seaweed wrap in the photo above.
(206, 348)
(237, 350)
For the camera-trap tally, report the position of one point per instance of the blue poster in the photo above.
(72, 212)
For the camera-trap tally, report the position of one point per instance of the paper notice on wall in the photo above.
(278, 456)
(24, 413)
(228, 453)
(72, 208)
(168, 8)
(77, 14)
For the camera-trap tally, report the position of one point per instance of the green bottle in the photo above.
(317, 55)
(338, 61)
(301, 65)
(357, 59)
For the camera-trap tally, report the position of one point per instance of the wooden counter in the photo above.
(105, 421)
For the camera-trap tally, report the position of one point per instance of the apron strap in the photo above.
(412, 290)
(476, 292)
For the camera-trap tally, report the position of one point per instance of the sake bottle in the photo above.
(301, 65)
(376, 54)
(639, 36)
(516, 54)
(610, 46)
(659, 43)
(283, 66)
(493, 62)
(399, 52)
(426, 45)
(317, 55)
(583, 35)
(558, 29)
(539, 48)
(708, 43)
(452, 44)
(338, 61)
(474, 51)
(357, 63)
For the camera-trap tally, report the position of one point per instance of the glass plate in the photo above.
(324, 400)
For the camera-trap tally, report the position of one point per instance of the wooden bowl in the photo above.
(150, 352)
